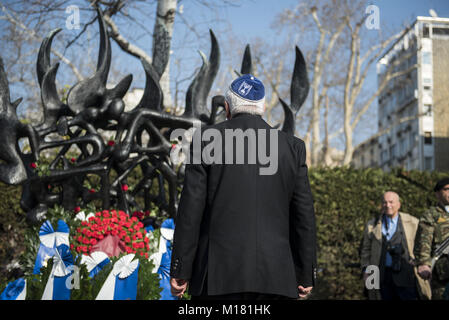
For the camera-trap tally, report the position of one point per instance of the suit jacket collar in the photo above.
(405, 219)
(245, 114)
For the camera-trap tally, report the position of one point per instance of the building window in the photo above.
(427, 137)
(427, 87)
(412, 140)
(393, 151)
(441, 31)
(428, 163)
(428, 110)
(426, 58)
(384, 156)
(402, 147)
(425, 31)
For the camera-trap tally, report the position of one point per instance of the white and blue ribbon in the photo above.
(121, 283)
(58, 287)
(162, 259)
(95, 262)
(50, 239)
(15, 290)
(83, 217)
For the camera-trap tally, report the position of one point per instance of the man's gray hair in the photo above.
(238, 104)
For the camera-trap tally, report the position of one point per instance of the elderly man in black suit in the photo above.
(244, 230)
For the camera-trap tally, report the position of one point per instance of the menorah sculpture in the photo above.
(91, 107)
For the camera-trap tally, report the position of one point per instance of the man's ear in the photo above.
(228, 111)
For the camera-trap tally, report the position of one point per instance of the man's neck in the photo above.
(246, 114)
(393, 216)
(444, 206)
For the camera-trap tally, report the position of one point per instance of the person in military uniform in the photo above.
(432, 231)
(388, 245)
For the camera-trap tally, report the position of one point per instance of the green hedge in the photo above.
(345, 199)
(12, 228)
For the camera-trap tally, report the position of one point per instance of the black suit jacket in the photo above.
(246, 232)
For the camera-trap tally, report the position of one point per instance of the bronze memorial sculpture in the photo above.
(91, 107)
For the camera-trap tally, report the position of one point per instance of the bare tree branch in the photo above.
(14, 20)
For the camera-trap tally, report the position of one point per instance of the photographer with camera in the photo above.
(388, 244)
(431, 242)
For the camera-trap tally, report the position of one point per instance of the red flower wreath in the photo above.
(112, 232)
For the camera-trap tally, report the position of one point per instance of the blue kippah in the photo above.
(248, 87)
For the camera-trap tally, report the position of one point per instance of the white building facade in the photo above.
(413, 108)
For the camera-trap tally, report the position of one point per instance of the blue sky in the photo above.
(253, 18)
(249, 20)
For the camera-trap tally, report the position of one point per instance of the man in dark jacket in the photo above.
(245, 226)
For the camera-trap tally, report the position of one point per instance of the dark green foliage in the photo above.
(36, 282)
(148, 285)
(12, 228)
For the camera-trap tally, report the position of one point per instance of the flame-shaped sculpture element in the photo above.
(299, 87)
(13, 168)
(198, 91)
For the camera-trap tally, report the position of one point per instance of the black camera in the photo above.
(396, 255)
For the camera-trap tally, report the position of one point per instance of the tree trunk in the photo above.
(349, 148)
(163, 30)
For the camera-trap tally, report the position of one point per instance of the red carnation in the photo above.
(77, 209)
(33, 165)
(111, 143)
(92, 190)
(125, 187)
(73, 160)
